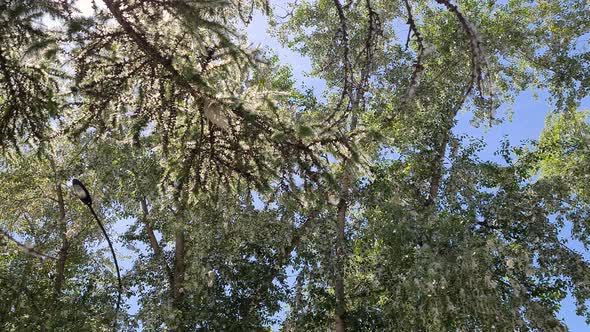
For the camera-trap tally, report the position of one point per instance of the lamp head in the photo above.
(81, 192)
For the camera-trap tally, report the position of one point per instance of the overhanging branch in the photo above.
(213, 112)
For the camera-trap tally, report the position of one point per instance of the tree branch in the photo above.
(418, 67)
(477, 56)
(65, 245)
(213, 112)
(154, 242)
(26, 248)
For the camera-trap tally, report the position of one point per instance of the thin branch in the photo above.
(418, 67)
(342, 33)
(154, 242)
(477, 56)
(26, 248)
(441, 151)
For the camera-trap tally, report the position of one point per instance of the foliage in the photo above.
(241, 203)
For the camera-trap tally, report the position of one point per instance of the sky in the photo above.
(529, 112)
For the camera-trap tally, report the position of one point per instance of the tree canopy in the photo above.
(243, 202)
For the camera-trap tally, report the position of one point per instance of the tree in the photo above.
(249, 200)
(461, 56)
(65, 282)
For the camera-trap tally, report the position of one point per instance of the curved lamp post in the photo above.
(84, 196)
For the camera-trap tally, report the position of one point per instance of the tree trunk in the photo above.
(176, 277)
(438, 168)
(63, 251)
(340, 323)
(179, 270)
(439, 157)
(179, 265)
(339, 269)
(60, 269)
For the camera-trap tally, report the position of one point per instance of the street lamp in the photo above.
(84, 196)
